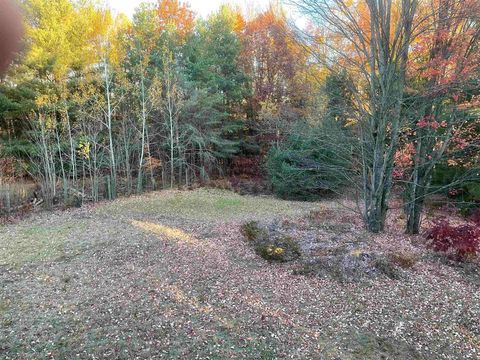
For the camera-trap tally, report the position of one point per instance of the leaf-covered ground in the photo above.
(168, 275)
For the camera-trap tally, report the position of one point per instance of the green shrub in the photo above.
(460, 184)
(269, 245)
(473, 191)
(252, 231)
(278, 248)
(313, 161)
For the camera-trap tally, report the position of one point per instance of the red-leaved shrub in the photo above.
(457, 242)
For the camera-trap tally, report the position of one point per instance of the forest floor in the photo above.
(168, 275)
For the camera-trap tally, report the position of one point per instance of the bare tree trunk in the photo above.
(387, 81)
(48, 165)
(152, 176)
(126, 151)
(109, 114)
(416, 188)
(73, 158)
(172, 134)
(142, 150)
(62, 167)
(416, 200)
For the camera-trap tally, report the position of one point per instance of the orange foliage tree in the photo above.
(281, 77)
(175, 15)
(273, 59)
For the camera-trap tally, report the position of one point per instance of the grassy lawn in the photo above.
(205, 205)
(32, 244)
(168, 275)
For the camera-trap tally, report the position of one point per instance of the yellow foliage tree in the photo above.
(63, 36)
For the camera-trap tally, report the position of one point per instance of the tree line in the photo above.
(100, 104)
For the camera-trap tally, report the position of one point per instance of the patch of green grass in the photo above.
(4, 306)
(368, 346)
(34, 244)
(204, 204)
(227, 203)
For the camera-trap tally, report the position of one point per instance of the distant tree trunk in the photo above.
(417, 186)
(142, 145)
(152, 175)
(62, 166)
(127, 156)
(172, 146)
(414, 209)
(109, 115)
(73, 158)
(95, 171)
(172, 103)
(416, 190)
(424, 163)
(47, 164)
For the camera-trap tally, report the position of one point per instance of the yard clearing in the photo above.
(168, 275)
